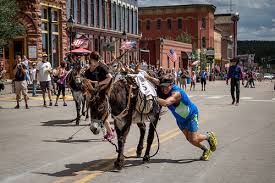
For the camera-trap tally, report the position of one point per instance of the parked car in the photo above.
(268, 76)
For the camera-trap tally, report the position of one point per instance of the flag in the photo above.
(128, 45)
(83, 43)
(172, 55)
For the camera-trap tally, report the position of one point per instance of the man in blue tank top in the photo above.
(185, 112)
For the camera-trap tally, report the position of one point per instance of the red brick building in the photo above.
(154, 52)
(170, 22)
(45, 25)
(225, 23)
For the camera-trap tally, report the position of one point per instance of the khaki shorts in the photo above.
(21, 86)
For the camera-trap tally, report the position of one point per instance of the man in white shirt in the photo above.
(43, 71)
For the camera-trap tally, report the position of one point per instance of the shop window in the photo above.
(158, 24)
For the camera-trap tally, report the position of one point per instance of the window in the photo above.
(123, 18)
(169, 24)
(158, 24)
(180, 24)
(103, 14)
(139, 25)
(92, 13)
(72, 8)
(203, 22)
(119, 17)
(86, 12)
(97, 14)
(114, 27)
(50, 34)
(131, 21)
(203, 42)
(148, 24)
(79, 11)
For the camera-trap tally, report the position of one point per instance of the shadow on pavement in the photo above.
(106, 165)
(75, 141)
(61, 123)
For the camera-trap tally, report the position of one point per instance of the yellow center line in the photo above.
(129, 152)
(170, 135)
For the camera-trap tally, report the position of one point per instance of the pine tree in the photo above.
(9, 26)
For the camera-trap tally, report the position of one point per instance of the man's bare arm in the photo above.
(170, 100)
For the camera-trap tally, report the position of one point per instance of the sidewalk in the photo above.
(11, 97)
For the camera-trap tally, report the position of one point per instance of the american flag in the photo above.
(128, 45)
(172, 55)
(78, 42)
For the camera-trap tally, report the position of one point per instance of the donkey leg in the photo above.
(83, 105)
(121, 138)
(150, 138)
(77, 104)
(142, 129)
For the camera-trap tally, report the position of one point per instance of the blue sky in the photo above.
(257, 17)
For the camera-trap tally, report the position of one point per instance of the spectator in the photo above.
(26, 62)
(44, 70)
(193, 80)
(61, 73)
(20, 82)
(2, 76)
(203, 79)
(33, 79)
(235, 75)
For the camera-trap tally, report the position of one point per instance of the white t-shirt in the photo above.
(33, 74)
(43, 69)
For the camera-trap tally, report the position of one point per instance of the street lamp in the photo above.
(70, 25)
(235, 18)
(161, 44)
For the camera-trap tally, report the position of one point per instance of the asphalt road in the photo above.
(33, 145)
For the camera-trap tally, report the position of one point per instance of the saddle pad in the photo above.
(146, 87)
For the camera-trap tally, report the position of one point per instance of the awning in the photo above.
(81, 50)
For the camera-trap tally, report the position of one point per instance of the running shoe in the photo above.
(206, 154)
(212, 140)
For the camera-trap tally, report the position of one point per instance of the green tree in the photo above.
(203, 61)
(9, 26)
(184, 38)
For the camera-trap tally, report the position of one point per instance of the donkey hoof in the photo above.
(83, 114)
(138, 154)
(77, 123)
(146, 159)
(118, 165)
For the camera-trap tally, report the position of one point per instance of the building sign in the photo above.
(32, 51)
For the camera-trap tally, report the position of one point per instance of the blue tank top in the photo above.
(185, 110)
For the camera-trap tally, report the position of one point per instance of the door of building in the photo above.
(17, 48)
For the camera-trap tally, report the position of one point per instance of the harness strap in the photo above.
(125, 111)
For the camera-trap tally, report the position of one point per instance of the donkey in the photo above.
(75, 81)
(121, 103)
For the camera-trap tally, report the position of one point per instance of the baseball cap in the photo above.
(44, 55)
(167, 80)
